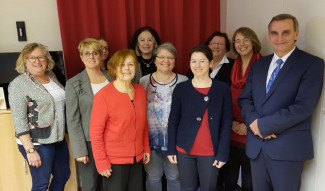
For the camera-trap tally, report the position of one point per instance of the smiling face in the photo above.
(146, 42)
(92, 59)
(243, 45)
(36, 62)
(165, 61)
(218, 47)
(199, 64)
(126, 70)
(282, 36)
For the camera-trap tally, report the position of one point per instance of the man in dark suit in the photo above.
(277, 103)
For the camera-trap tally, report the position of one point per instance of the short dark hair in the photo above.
(248, 33)
(221, 34)
(203, 49)
(281, 17)
(134, 41)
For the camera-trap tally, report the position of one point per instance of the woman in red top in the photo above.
(247, 46)
(119, 128)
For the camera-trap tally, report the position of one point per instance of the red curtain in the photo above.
(185, 23)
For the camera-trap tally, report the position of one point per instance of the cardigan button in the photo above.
(198, 119)
(206, 98)
(211, 118)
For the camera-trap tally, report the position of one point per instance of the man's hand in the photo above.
(270, 137)
(254, 128)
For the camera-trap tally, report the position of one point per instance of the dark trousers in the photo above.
(230, 171)
(125, 177)
(275, 175)
(90, 178)
(195, 171)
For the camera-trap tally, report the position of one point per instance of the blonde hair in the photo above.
(25, 53)
(118, 58)
(90, 43)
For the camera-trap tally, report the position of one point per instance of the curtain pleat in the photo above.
(185, 23)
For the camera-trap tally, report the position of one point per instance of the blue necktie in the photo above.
(274, 74)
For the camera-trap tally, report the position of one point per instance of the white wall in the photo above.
(256, 14)
(41, 22)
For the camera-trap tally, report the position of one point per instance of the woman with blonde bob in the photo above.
(37, 102)
(80, 91)
(119, 128)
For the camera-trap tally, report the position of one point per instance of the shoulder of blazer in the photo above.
(231, 61)
(297, 52)
(217, 86)
(185, 84)
(262, 61)
(78, 79)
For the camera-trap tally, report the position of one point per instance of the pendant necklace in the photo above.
(147, 64)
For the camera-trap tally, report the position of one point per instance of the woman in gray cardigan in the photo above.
(37, 102)
(80, 91)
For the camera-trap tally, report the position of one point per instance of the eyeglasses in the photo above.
(106, 48)
(95, 53)
(216, 43)
(245, 40)
(165, 57)
(39, 58)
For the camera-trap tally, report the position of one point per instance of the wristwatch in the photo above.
(31, 150)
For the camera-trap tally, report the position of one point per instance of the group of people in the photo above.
(133, 112)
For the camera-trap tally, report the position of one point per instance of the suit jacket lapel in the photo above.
(284, 71)
(85, 83)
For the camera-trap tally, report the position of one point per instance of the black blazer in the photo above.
(223, 74)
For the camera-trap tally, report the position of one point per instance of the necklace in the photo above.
(163, 81)
(147, 64)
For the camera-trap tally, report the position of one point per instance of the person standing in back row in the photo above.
(144, 42)
(280, 95)
(247, 46)
(221, 67)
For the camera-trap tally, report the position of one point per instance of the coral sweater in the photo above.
(118, 127)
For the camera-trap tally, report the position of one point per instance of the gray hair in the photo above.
(281, 17)
(166, 46)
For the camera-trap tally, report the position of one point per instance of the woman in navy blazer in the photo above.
(199, 124)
